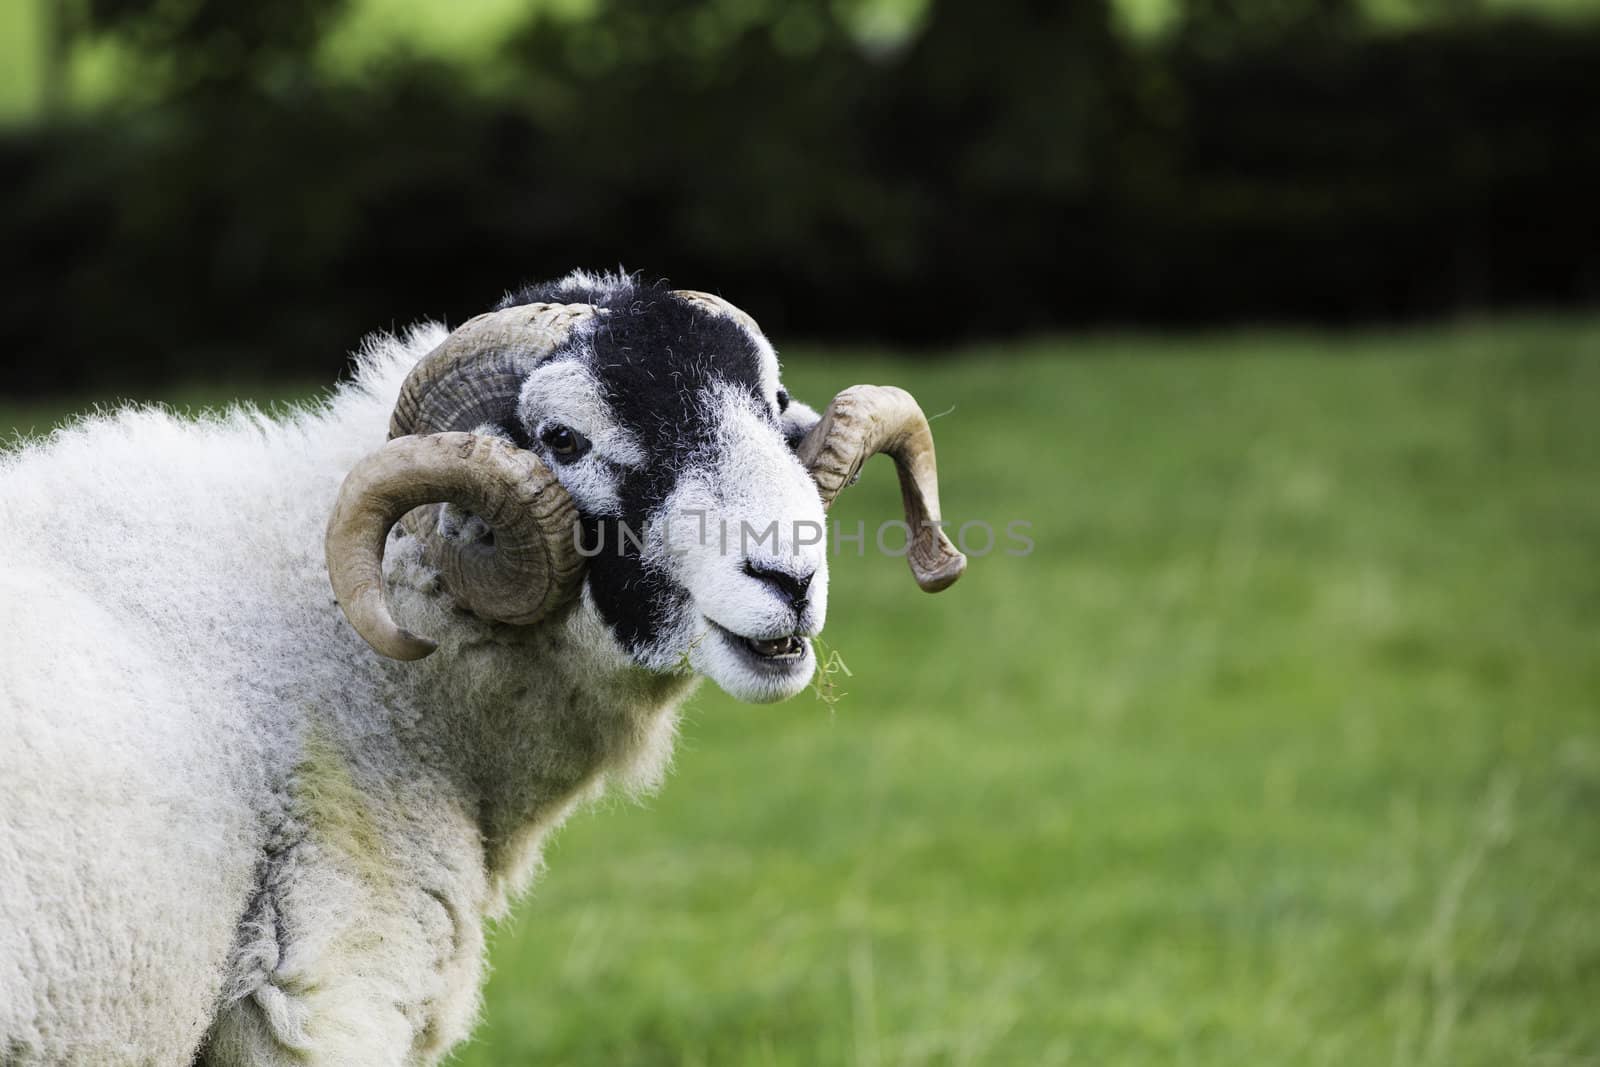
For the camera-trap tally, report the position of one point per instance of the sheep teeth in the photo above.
(779, 646)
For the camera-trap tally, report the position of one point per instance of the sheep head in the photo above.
(603, 444)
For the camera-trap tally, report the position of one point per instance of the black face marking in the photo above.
(783, 401)
(657, 357)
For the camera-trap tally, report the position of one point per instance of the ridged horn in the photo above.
(509, 488)
(476, 373)
(531, 566)
(862, 421)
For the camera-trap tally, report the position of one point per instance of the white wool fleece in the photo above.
(230, 832)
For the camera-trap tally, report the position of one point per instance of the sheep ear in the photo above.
(798, 420)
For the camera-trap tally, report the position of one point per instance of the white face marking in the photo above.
(753, 505)
(565, 393)
(769, 366)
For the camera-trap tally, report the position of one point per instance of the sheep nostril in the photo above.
(791, 586)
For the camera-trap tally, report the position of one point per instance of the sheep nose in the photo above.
(788, 583)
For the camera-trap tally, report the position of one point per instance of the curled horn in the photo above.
(862, 421)
(532, 567)
(475, 375)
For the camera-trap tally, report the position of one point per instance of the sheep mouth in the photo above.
(777, 648)
(756, 670)
(785, 650)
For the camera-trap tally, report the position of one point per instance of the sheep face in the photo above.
(667, 424)
(629, 447)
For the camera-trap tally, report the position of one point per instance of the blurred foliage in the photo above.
(995, 168)
(191, 47)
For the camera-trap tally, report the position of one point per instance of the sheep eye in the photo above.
(783, 401)
(564, 442)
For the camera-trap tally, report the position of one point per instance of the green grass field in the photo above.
(1282, 747)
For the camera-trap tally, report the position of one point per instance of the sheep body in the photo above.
(225, 824)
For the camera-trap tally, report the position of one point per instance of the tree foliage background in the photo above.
(1002, 167)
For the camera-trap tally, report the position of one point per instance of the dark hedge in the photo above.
(1016, 167)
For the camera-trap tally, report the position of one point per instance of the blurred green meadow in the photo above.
(1281, 747)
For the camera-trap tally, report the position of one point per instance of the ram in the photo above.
(287, 706)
